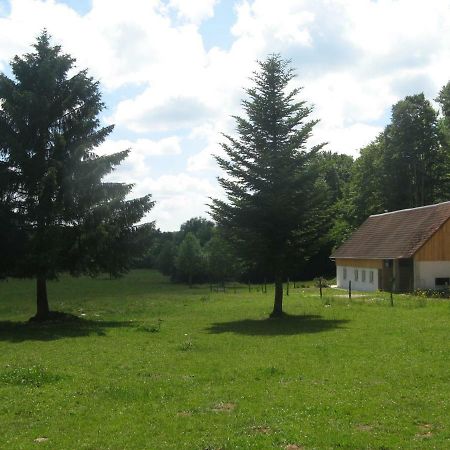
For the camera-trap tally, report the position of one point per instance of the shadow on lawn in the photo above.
(286, 325)
(29, 331)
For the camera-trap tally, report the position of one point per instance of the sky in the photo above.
(174, 72)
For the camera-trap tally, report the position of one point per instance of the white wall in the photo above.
(357, 285)
(425, 273)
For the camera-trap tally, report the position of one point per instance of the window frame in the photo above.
(442, 284)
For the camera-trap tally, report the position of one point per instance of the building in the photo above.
(403, 250)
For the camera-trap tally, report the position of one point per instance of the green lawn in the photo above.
(218, 374)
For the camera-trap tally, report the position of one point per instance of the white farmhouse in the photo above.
(403, 250)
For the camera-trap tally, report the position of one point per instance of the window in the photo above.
(363, 276)
(371, 276)
(442, 282)
(344, 273)
(356, 274)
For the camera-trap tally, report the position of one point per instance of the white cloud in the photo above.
(139, 162)
(203, 160)
(178, 198)
(179, 184)
(212, 135)
(147, 147)
(172, 211)
(152, 111)
(389, 27)
(348, 139)
(285, 21)
(194, 11)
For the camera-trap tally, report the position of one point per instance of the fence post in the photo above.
(265, 286)
(392, 290)
(350, 289)
(320, 286)
(287, 287)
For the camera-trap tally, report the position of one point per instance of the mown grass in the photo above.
(154, 365)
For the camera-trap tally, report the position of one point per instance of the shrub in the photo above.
(433, 293)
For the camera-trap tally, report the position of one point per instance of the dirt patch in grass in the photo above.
(364, 427)
(425, 431)
(184, 413)
(39, 440)
(425, 435)
(294, 447)
(224, 407)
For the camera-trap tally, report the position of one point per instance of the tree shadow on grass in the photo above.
(286, 325)
(49, 331)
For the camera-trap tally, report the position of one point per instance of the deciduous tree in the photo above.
(222, 263)
(411, 158)
(189, 261)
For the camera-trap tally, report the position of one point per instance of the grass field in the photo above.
(154, 365)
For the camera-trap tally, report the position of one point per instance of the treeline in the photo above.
(406, 166)
(196, 253)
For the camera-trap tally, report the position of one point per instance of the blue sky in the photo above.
(172, 73)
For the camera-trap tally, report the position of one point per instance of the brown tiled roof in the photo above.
(397, 234)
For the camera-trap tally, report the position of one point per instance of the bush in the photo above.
(433, 293)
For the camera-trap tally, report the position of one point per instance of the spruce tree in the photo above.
(273, 212)
(59, 213)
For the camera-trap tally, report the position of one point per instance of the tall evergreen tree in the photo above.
(274, 194)
(59, 213)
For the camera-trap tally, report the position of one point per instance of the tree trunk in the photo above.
(278, 302)
(42, 301)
